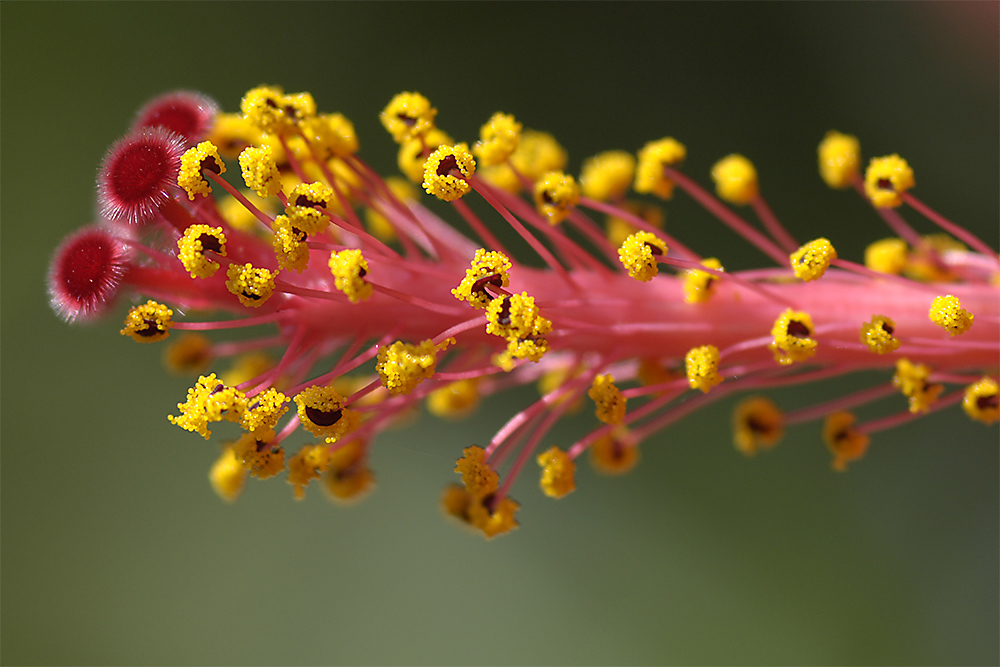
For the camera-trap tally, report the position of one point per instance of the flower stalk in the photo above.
(370, 304)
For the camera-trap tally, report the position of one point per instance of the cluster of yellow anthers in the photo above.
(400, 308)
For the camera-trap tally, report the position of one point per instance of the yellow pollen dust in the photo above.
(698, 284)
(887, 256)
(947, 313)
(839, 159)
(793, 335)
(757, 424)
(638, 255)
(148, 323)
(498, 139)
(260, 171)
(701, 364)
(349, 269)
(447, 170)
(844, 441)
(251, 286)
(652, 158)
(192, 245)
(812, 260)
(408, 116)
(735, 180)
(557, 472)
(886, 179)
(607, 176)
(488, 267)
(203, 156)
(912, 381)
(878, 335)
(981, 401)
(610, 404)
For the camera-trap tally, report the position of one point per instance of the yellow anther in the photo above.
(227, 475)
(812, 260)
(479, 478)
(887, 256)
(491, 518)
(616, 229)
(289, 245)
(701, 364)
(191, 353)
(148, 323)
(251, 286)
(194, 243)
(348, 478)
(262, 106)
(402, 366)
(614, 453)
(735, 179)
(308, 464)
(608, 399)
(298, 106)
(231, 133)
(981, 401)
(557, 472)
(260, 171)
(911, 379)
(878, 335)
(638, 254)
(757, 424)
(532, 349)
(498, 139)
(845, 442)
(608, 175)
(886, 179)
(255, 452)
(209, 401)
(311, 194)
(331, 135)
(263, 411)
(454, 401)
(321, 411)
(203, 156)
(350, 268)
(310, 221)
(488, 268)
(413, 153)
(839, 159)
(538, 153)
(698, 284)
(515, 316)
(408, 116)
(794, 337)
(556, 194)
(447, 170)
(947, 313)
(653, 157)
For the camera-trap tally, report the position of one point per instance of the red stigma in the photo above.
(86, 272)
(137, 174)
(189, 114)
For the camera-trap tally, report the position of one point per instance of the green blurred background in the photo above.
(115, 550)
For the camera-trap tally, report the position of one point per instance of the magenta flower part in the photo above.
(360, 304)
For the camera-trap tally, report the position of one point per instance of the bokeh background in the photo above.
(115, 550)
